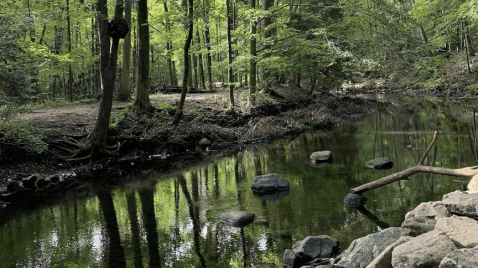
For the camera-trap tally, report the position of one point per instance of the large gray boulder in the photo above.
(379, 163)
(384, 260)
(237, 218)
(364, 250)
(426, 250)
(461, 258)
(462, 203)
(424, 217)
(463, 231)
(270, 183)
(312, 247)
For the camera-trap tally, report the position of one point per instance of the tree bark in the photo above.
(169, 48)
(201, 68)
(70, 72)
(208, 45)
(125, 86)
(252, 61)
(230, 74)
(266, 21)
(142, 88)
(187, 45)
(108, 62)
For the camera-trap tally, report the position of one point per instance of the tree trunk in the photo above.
(252, 61)
(201, 68)
(142, 88)
(169, 48)
(125, 86)
(208, 57)
(187, 45)
(230, 74)
(70, 72)
(266, 21)
(108, 62)
(190, 71)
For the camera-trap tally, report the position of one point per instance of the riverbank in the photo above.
(207, 130)
(434, 234)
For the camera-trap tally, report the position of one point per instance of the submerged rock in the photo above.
(461, 258)
(364, 250)
(321, 157)
(462, 203)
(270, 183)
(379, 164)
(424, 217)
(309, 249)
(355, 200)
(237, 218)
(272, 196)
(426, 250)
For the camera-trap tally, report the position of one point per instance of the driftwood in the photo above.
(469, 172)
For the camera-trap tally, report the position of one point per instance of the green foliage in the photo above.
(116, 118)
(19, 132)
(162, 105)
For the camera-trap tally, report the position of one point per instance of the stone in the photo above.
(13, 186)
(463, 231)
(272, 196)
(473, 184)
(364, 250)
(321, 156)
(204, 141)
(30, 181)
(461, 258)
(424, 217)
(379, 164)
(237, 218)
(426, 250)
(355, 200)
(462, 203)
(269, 183)
(384, 260)
(310, 249)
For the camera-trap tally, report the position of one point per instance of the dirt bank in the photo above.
(149, 139)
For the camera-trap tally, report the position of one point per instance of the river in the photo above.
(173, 221)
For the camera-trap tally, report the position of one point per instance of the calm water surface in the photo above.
(173, 222)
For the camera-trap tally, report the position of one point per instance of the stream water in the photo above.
(173, 221)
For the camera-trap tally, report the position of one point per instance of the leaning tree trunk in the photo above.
(187, 45)
(470, 172)
(142, 89)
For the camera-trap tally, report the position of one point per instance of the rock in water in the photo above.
(270, 185)
(462, 203)
(237, 218)
(321, 157)
(461, 258)
(426, 250)
(355, 200)
(364, 250)
(312, 247)
(379, 164)
(424, 217)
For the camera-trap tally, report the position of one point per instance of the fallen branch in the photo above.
(419, 168)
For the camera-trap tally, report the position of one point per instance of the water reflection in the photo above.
(173, 222)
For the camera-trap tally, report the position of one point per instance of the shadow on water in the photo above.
(173, 221)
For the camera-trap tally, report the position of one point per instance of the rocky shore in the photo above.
(441, 234)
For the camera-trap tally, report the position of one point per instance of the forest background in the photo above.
(50, 50)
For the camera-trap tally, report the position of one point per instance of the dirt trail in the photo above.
(84, 116)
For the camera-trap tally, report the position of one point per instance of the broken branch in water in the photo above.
(420, 168)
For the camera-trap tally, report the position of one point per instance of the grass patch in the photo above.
(118, 117)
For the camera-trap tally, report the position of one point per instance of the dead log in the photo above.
(469, 172)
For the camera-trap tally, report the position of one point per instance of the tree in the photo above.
(253, 63)
(125, 76)
(187, 45)
(230, 74)
(142, 89)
